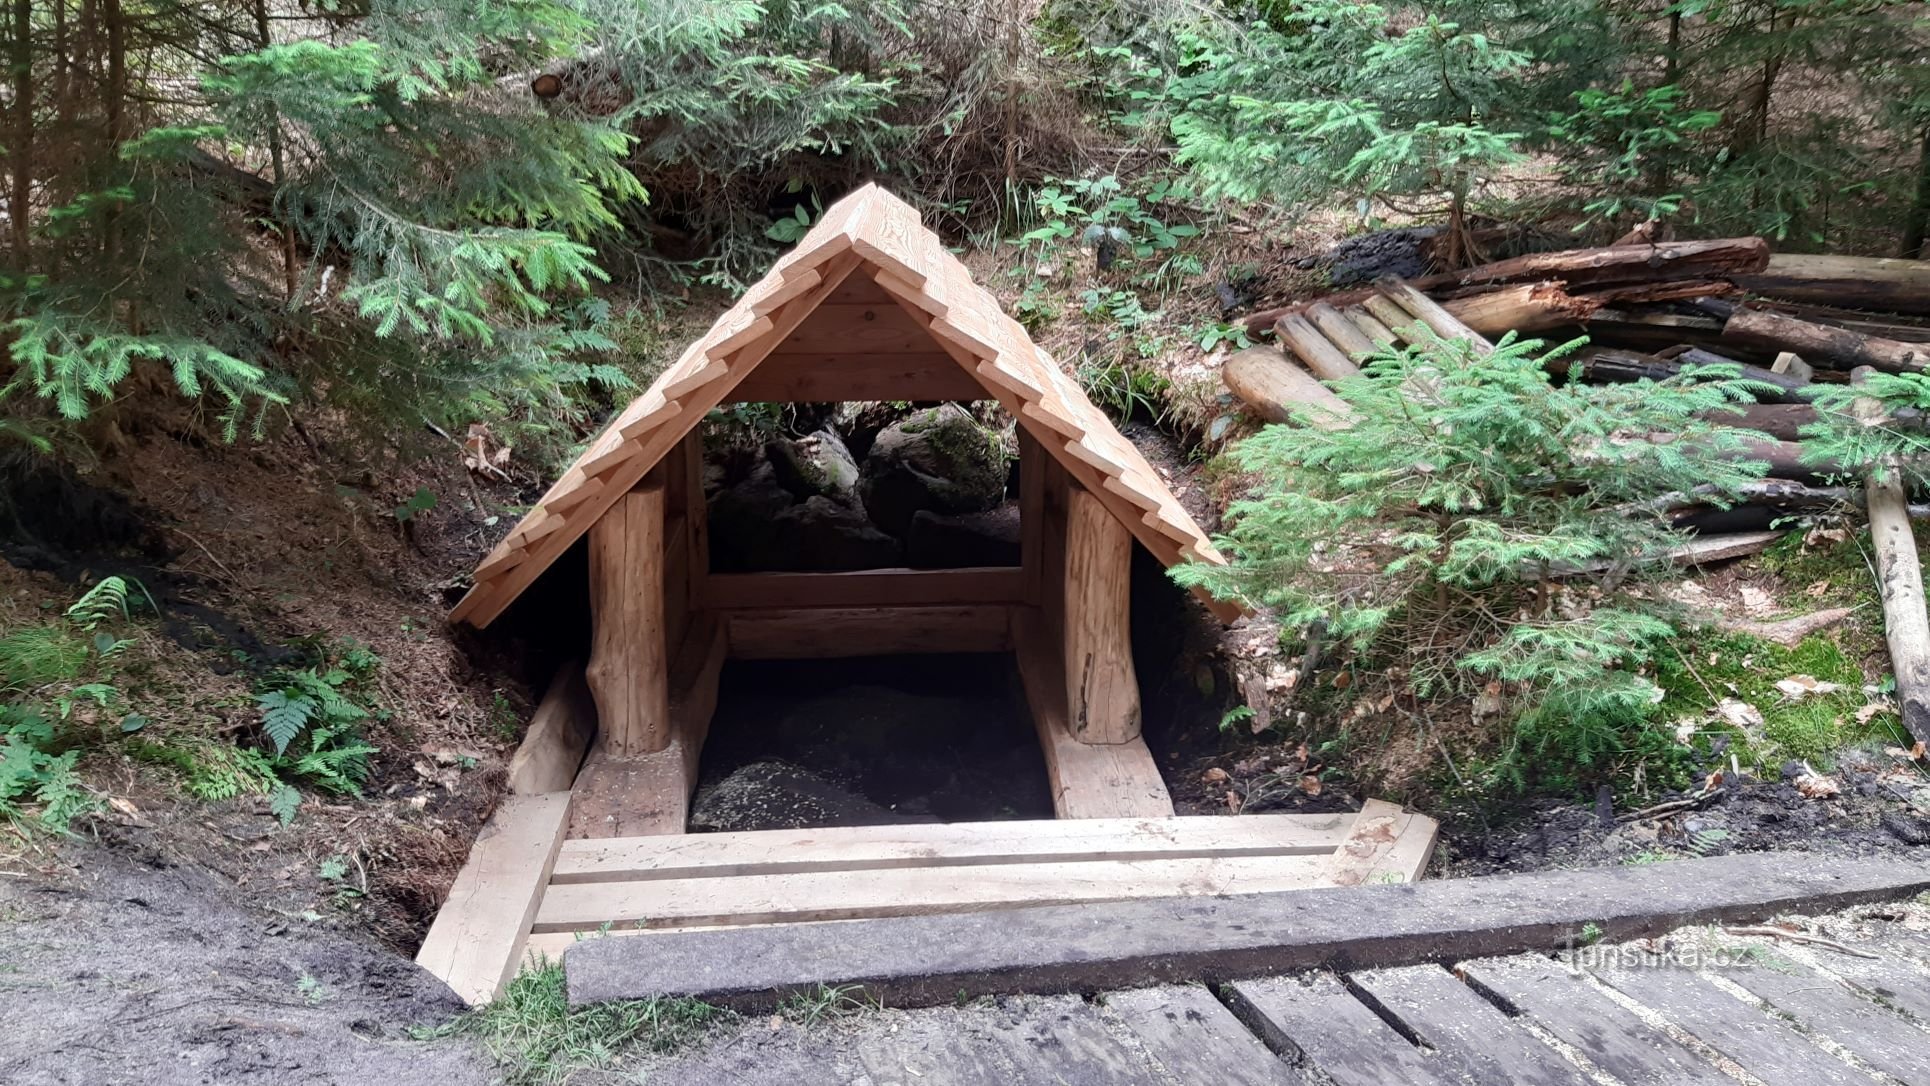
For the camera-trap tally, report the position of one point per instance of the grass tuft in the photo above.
(538, 1038)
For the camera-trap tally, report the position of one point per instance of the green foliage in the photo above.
(1630, 143)
(1889, 437)
(1101, 215)
(1813, 727)
(1427, 537)
(827, 1003)
(39, 788)
(419, 503)
(211, 769)
(538, 1039)
(312, 716)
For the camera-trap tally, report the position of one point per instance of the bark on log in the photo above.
(1268, 383)
(629, 671)
(1906, 623)
(1606, 365)
(1588, 269)
(1321, 357)
(1852, 282)
(1822, 345)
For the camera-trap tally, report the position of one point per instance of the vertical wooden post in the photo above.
(1899, 573)
(629, 671)
(1032, 484)
(1102, 692)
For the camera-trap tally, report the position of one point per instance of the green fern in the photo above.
(284, 714)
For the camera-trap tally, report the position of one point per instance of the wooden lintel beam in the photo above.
(864, 588)
(816, 633)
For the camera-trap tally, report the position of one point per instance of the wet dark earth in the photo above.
(870, 741)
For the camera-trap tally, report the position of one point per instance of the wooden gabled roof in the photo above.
(869, 233)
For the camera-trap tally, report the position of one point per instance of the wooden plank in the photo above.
(883, 848)
(1315, 1020)
(864, 588)
(860, 289)
(925, 960)
(1386, 844)
(832, 632)
(629, 669)
(1102, 689)
(694, 681)
(839, 376)
(842, 895)
(476, 942)
(1032, 485)
(1823, 1006)
(1196, 1039)
(1610, 1036)
(558, 736)
(921, 1052)
(1088, 780)
(878, 328)
(633, 796)
(1427, 1002)
(1071, 1048)
(1759, 1044)
(1891, 980)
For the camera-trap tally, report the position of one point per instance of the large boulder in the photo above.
(953, 541)
(775, 795)
(938, 459)
(821, 535)
(740, 520)
(817, 465)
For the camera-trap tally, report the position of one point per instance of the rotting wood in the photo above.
(1899, 572)
(1102, 689)
(894, 847)
(1822, 345)
(1268, 383)
(865, 588)
(1612, 366)
(629, 669)
(831, 632)
(476, 942)
(559, 734)
(1196, 1039)
(1322, 359)
(1583, 269)
(1882, 284)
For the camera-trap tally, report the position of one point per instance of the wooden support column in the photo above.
(1102, 692)
(629, 670)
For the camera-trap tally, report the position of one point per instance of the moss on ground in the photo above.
(1708, 667)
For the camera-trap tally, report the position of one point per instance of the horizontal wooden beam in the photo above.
(476, 942)
(814, 633)
(843, 376)
(949, 844)
(863, 588)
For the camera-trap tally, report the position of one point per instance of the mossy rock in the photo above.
(939, 459)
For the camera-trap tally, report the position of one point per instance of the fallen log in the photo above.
(1429, 312)
(1607, 365)
(1593, 269)
(1822, 345)
(1782, 421)
(1271, 385)
(1883, 284)
(1343, 332)
(1324, 360)
(1899, 570)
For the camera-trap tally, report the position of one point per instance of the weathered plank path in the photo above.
(1695, 1007)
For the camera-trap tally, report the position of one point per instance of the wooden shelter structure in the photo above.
(868, 306)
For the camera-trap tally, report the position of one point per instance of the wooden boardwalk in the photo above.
(1710, 1009)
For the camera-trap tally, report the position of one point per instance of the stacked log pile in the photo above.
(1648, 311)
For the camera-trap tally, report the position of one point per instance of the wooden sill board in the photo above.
(644, 884)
